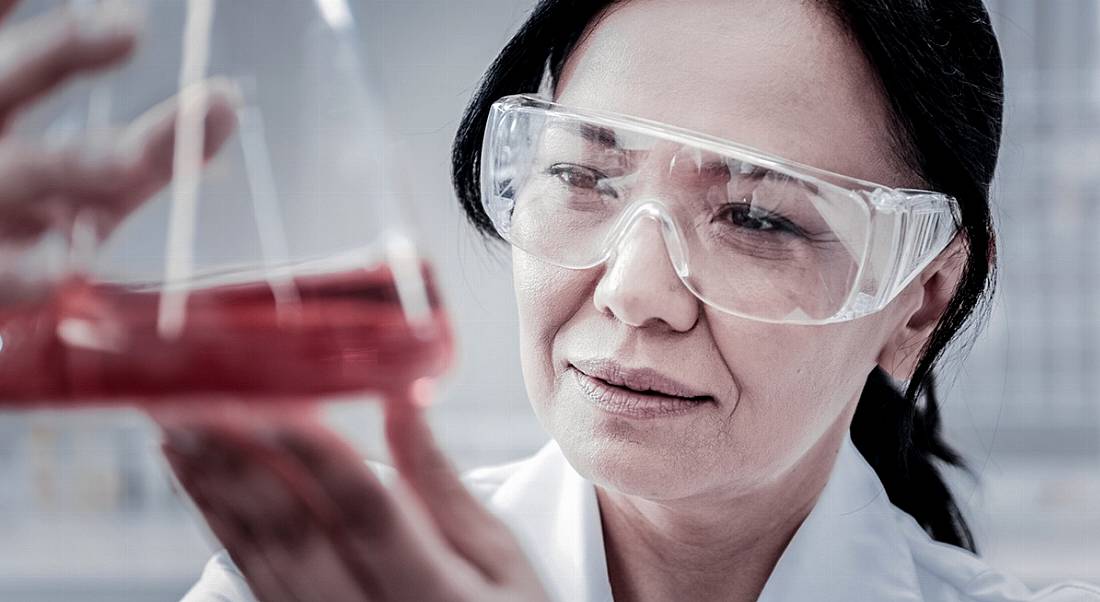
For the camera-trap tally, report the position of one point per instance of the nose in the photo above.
(639, 285)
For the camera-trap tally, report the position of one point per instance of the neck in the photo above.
(712, 548)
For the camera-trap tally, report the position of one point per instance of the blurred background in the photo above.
(87, 511)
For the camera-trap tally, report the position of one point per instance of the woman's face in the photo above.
(776, 75)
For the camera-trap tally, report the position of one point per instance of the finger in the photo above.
(41, 187)
(386, 534)
(149, 142)
(475, 533)
(262, 578)
(36, 56)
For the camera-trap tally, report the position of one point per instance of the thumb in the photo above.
(475, 533)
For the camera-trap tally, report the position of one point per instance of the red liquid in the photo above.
(97, 342)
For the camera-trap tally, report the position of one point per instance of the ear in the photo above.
(921, 305)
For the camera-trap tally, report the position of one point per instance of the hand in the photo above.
(43, 187)
(305, 519)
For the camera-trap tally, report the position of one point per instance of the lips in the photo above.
(635, 393)
(645, 381)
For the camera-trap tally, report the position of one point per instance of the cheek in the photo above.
(795, 383)
(547, 297)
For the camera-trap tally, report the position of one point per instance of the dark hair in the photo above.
(940, 70)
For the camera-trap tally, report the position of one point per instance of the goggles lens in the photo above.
(746, 233)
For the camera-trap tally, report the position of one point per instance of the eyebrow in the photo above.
(759, 173)
(591, 133)
(606, 137)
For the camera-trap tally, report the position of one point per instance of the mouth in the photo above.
(640, 394)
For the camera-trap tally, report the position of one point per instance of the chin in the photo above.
(616, 456)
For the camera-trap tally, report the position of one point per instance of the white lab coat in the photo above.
(854, 546)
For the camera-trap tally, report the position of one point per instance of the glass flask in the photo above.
(278, 263)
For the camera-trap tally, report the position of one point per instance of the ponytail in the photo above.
(901, 440)
(939, 66)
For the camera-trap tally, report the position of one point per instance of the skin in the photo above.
(698, 506)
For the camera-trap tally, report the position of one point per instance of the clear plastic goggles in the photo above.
(748, 233)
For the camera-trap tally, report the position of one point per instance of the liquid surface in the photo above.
(345, 332)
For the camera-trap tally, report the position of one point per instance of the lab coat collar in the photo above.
(554, 512)
(849, 548)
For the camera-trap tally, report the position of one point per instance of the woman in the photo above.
(711, 331)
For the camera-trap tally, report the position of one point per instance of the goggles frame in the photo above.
(907, 228)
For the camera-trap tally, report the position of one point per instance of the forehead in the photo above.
(778, 75)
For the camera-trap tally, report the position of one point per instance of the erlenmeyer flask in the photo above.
(285, 267)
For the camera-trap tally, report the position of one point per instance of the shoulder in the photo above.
(950, 574)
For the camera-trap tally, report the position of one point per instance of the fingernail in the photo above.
(109, 20)
(231, 89)
(423, 392)
(130, 150)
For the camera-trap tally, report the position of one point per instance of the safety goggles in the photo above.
(748, 233)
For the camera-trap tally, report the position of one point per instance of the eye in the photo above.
(581, 177)
(747, 216)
